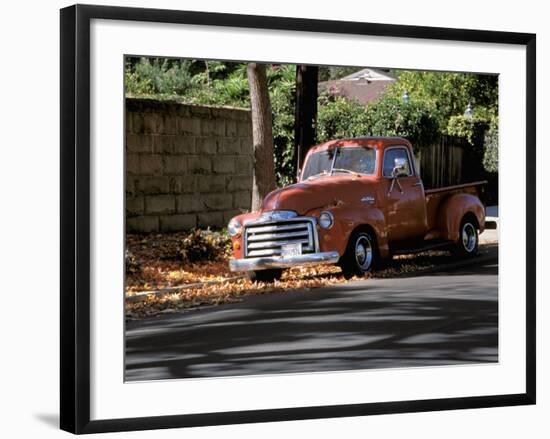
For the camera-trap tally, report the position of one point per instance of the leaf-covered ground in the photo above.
(155, 262)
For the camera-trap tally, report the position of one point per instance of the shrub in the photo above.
(132, 264)
(490, 156)
(201, 245)
(414, 120)
(339, 117)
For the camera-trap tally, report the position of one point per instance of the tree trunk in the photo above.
(305, 121)
(262, 135)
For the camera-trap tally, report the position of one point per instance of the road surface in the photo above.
(437, 319)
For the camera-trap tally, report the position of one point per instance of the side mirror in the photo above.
(399, 168)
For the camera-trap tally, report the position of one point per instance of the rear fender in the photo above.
(452, 211)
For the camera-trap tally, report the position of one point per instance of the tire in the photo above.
(265, 275)
(361, 255)
(468, 239)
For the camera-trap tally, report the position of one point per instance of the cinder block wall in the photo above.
(186, 165)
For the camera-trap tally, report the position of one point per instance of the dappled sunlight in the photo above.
(348, 326)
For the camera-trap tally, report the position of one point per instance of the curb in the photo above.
(443, 268)
(141, 296)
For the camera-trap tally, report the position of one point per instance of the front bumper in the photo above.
(267, 262)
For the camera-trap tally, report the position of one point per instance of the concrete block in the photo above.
(235, 183)
(175, 164)
(206, 145)
(210, 219)
(189, 126)
(199, 164)
(218, 201)
(134, 206)
(243, 165)
(244, 129)
(230, 128)
(155, 204)
(213, 127)
(189, 203)
(223, 164)
(229, 145)
(182, 184)
(247, 147)
(132, 163)
(163, 144)
(184, 145)
(139, 143)
(153, 185)
(211, 183)
(142, 224)
(150, 164)
(176, 223)
(242, 200)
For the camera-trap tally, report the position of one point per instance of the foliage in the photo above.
(132, 263)
(201, 245)
(437, 101)
(412, 120)
(282, 85)
(469, 128)
(447, 94)
(490, 156)
(161, 77)
(339, 117)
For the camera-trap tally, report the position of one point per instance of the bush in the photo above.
(132, 264)
(413, 120)
(490, 156)
(201, 245)
(339, 117)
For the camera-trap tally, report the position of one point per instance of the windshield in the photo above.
(353, 159)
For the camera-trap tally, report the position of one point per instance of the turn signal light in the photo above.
(236, 245)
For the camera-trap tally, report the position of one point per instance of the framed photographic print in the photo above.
(272, 218)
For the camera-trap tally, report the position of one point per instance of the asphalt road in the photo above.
(437, 319)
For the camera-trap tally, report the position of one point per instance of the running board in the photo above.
(438, 243)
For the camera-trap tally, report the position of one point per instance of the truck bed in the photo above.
(434, 198)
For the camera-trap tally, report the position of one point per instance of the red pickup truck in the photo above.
(357, 202)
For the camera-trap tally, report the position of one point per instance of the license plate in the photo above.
(289, 250)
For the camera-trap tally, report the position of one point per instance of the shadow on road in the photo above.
(432, 320)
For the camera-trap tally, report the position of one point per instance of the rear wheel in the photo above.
(468, 239)
(265, 275)
(361, 255)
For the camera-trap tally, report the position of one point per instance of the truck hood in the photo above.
(321, 192)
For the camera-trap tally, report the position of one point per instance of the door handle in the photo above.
(417, 184)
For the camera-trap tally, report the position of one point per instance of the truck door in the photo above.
(405, 205)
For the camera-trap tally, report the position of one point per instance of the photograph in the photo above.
(296, 218)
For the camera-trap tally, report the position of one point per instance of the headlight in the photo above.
(234, 227)
(326, 220)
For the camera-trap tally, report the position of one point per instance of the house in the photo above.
(363, 86)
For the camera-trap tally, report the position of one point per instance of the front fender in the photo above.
(346, 220)
(452, 211)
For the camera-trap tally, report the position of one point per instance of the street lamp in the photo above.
(469, 111)
(405, 97)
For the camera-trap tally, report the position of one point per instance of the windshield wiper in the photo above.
(320, 174)
(344, 170)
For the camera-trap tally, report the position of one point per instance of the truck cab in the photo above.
(357, 202)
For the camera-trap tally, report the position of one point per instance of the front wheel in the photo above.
(265, 275)
(468, 239)
(360, 256)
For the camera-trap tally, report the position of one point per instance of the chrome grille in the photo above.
(266, 239)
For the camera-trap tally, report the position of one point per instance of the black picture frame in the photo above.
(75, 217)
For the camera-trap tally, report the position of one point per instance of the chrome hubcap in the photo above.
(469, 237)
(363, 253)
